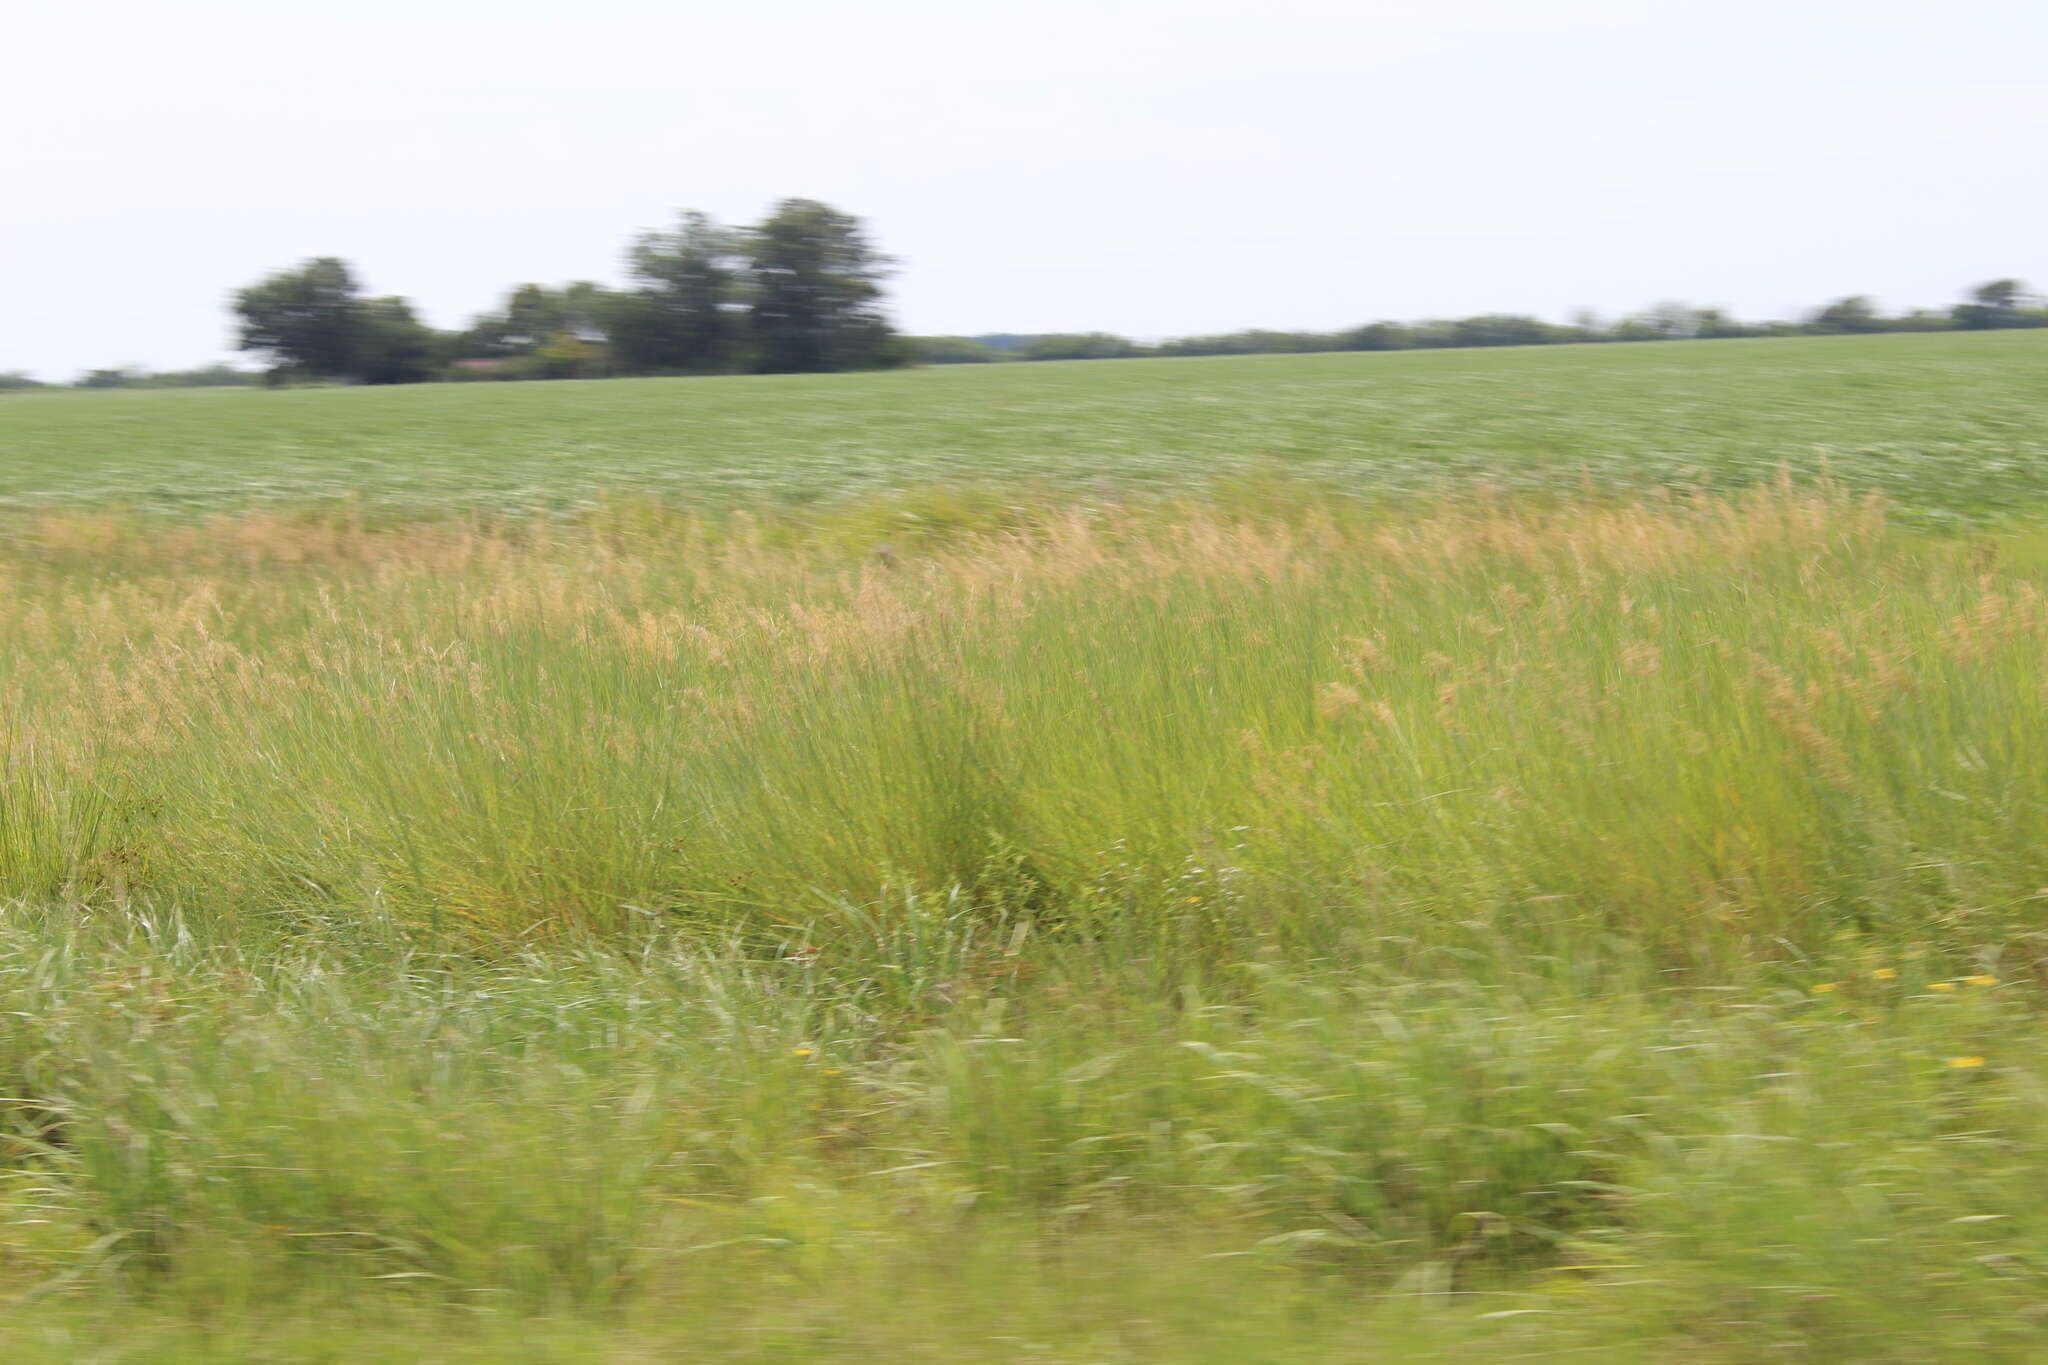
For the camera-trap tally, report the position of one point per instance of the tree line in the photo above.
(1998, 303)
(799, 292)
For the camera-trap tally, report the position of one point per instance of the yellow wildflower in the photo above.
(1886, 973)
(1982, 979)
(1966, 1063)
(1941, 985)
(1823, 987)
(803, 1052)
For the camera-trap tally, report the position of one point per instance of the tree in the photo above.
(1635, 328)
(1995, 303)
(2001, 294)
(951, 351)
(539, 333)
(392, 345)
(1714, 323)
(1079, 346)
(1500, 329)
(816, 293)
(313, 322)
(532, 315)
(565, 355)
(1855, 313)
(1924, 320)
(309, 319)
(1378, 336)
(1258, 341)
(683, 312)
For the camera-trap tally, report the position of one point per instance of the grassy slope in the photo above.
(1940, 423)
(1168, 933)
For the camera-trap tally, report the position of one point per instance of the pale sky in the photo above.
(1151, 167)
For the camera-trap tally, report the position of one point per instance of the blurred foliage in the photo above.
(797, 293)
(2002, 303)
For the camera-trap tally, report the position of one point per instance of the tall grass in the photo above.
(1489, 931)
(1718, 729)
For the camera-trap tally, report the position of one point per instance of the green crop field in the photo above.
(1014, 864)
(1941, 424)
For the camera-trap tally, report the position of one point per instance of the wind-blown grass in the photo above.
(1150, 932)
(1707, 725)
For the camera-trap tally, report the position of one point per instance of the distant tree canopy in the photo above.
(1079, 346)
(798, 292)
(531, 317)
(801, 292)
(308, 320)
(1853, 314)
(951, 351)
(313, 323)
(2000, 303)
(392, 346)
(684, 313)
(815, 292)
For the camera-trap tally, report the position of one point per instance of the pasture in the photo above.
(1280, 859)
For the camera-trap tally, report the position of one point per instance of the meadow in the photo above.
(1577, 900)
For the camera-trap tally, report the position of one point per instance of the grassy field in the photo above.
(1185, 921)
(1943, 425)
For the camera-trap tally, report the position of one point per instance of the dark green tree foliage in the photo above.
(681, 315)
(951, 351)
(530, 316)
(314, 324)
(392, 345)
(815, 293)
(801, 292)
(309, 320)
(539, 333)
(1079, 346)
(1918, 320)
(1006, 343)
(1853, 314)
(1997, 303)
(1715, 324)
(1501, 329)
(1377, 336)
(1257, 342)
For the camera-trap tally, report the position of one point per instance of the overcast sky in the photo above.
(1153, 167)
